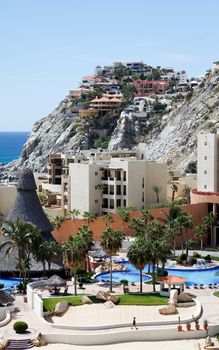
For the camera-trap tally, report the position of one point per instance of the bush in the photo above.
(196, 255)
(207, 258)
(192, 260)
(181, 259)
(20, 326)
(2, 285)
(161, 272)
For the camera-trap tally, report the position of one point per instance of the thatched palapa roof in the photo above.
(27, 206)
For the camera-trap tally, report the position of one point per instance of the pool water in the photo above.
(9, 282)
(199, 276)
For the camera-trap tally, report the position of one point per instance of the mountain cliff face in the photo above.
(171, 137)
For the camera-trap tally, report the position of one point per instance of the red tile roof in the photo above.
(172, 279)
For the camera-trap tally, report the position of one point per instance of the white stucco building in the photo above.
(104, 186)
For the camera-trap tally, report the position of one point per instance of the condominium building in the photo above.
(145, 87)
(104, 186)
(208, 177)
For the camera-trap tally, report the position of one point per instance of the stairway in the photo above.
(19, 344)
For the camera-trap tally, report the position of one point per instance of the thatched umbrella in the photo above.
(98, 254)
(54, 281)
(6, 297)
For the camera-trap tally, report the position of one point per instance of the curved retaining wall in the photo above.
(123, 336)
(197, 314)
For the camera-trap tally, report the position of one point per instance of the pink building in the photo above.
(145, 87)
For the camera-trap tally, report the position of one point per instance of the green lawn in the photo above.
(216, 294)
(147, 299)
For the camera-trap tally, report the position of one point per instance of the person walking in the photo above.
(134, 323)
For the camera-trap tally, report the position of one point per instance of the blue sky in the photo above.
(46, 46)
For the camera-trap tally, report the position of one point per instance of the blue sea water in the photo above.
(11, 144)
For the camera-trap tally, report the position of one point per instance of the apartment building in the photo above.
(104, 186)
(208, 178)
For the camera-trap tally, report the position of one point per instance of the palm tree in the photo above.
(90, 217)
(200, 232)
(87, 236)
(209, 220)
(74, 213)
(174, 189)
(124, 215)
(1, 219)
(107, 219)
(19, 236)
(188, 224)
(111, 241)
(74, 253)
(138, 256)
(146, 215)
(157, 189)
(57, 222)
(52, 251)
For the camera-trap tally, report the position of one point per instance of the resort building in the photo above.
(104, 186)
(208, 175)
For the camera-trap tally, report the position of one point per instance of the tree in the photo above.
(19, 236)
(87, 236)
(124, 215)
(157, 189)
(146, 215)
(107, 219)
(57, 222)
(111, 241)
(174, 189)
(43, 198)
(138, 255)
(170, 220)
(1, 219)
(209, 220)
(200, 232)
(90, 217)
(74, 253)
(74, 213)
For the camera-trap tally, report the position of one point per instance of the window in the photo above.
(124, 190)
(205, 171)
(205, 143)
(118, 203)
(118, 190)
(205, 186)
(205, 157)
(124, 176)
(142, 196)
(96, 200)
(111, 204)
(96, 173)
(143, 182)
(124, 203)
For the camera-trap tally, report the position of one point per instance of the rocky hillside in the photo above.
(170, 137)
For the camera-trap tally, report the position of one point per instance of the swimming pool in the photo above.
(199, 276)
(9, 282)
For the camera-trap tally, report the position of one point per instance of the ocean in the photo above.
(11, 144)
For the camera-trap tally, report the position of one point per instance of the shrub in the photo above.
(20, 326)
(207, 258)
(161, 273)
(192, 260)
(196, 255)
(181, 259)
(2, 285)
